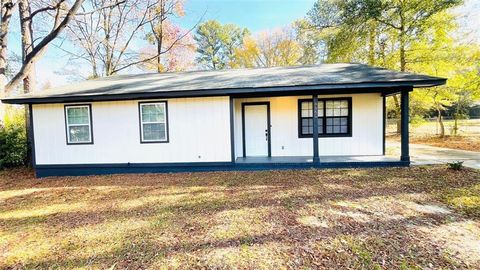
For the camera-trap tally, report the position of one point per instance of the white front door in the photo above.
(256, 130)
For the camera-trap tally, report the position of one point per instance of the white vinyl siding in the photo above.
(366, 124)
(198, 131)
(153, 122)
(78, 124)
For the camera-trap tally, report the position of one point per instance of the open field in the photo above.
(395, 218)
(426, 133)
(467, 128)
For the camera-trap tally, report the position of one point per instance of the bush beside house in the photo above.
(13, 140)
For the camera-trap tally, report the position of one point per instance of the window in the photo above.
(153, 122)
(78, 120)
(334, 117)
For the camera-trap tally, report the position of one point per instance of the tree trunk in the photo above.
(159, 38)
(403, 60)
(440, 123)
(94, 69)
(41, 47)
(403, 64)
(455, 125)
(456, 116)
(27, 43)
(159, 60)
(108, 52)
(6, 11)
(29, 80)
(397, 113)
(371, 44)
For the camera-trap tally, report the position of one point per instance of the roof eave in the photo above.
(364, 87)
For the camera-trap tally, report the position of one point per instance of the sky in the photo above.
(256, 15)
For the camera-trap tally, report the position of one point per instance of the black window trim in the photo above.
(167, 139)
(325, 135)
(66, 124)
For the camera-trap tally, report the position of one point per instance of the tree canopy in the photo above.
(406, 35)
(216, 43)
(114, 36)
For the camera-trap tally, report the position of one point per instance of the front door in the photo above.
(256, 129)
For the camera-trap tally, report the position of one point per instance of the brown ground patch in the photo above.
(469, 143)
(391, 218)
(453, 142)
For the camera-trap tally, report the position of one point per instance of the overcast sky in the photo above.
(256, 15)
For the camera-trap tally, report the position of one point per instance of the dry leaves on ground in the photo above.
(390, 218)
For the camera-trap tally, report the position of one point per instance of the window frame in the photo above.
(140, 120)
(67, 125)
(324, 126)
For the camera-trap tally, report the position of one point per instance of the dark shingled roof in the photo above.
(325, 77)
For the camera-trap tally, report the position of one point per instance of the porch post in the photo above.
(316, 157)
(232, 130)
(405, 156)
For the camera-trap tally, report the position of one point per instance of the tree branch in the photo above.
(101, 8)
(31, 57)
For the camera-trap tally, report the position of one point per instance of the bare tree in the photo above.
(83, 31)
(104, 37)
(7, 8)
(26, 27)
(62, 18)
(108, 40)
(62, 12)
(160, 28)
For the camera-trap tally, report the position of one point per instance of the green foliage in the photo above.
(310, 41)
(217, 42)
(417, 120)
(270, 49)
(13, 141)
(411, 35)
(456, 166)
(372, 31)
(465, 199)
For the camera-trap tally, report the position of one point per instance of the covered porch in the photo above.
(281, 142)
(327, 162)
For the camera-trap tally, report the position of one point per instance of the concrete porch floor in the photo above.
(308, 159)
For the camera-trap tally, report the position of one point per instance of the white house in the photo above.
(330, 115)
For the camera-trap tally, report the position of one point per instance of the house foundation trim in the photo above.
(123, 168)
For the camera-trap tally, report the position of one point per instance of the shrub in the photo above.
(417, 120)
(457, 165)
(13, 143)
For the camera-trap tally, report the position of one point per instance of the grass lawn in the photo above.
(395, 218)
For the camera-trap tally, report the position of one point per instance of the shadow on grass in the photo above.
(387, 244)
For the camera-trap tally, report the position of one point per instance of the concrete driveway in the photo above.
(424, 154)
